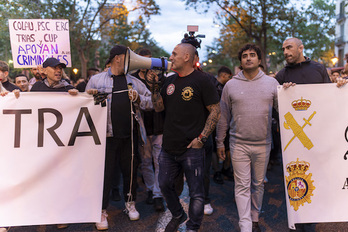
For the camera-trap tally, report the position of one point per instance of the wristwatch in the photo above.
(202, 139)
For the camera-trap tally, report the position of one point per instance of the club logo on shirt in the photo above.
(187, 93)
(170, 89)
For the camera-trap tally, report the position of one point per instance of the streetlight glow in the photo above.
(75, 70)
(334, 60)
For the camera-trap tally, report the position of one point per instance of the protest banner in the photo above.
(314, 137)
(33, 40)
(52, 159)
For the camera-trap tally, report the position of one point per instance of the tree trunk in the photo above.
(84, 62)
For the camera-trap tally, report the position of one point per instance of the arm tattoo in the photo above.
(212, 119)
(157, 102)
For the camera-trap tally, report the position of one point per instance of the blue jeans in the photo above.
(149, 154)
(192, 162)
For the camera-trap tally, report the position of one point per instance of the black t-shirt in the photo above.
(81, 87)
(120, 108)
(185, 100)
(9, 86)
(307, 72)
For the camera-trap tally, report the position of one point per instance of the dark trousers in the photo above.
(208, 147)
(119, 155)
(192, 162)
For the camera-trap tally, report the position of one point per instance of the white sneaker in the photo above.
(103, 224)
(208, 210)
(3, 229)
(132, 212)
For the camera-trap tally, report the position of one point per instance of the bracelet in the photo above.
(199, 140)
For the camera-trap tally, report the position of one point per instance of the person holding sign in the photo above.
(123, 95)
(53, 70)
(246, 112)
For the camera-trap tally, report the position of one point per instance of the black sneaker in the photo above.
(174, 224)
(228, 173)
(158, 204)
(115, 195)
(149, 199)
(256, 227)
(218, 178)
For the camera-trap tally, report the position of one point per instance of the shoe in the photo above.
(149, 199)
(228, 173)
(115, 195)
(158, 204)
(174, 224)
(218, 178)
(103, 224)
(61, 226)
(208, 210)
(132, 212)
(3, 229)
(256, 227)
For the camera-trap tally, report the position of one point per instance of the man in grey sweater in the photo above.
(246, 110)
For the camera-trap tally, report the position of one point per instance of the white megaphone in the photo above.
(134, 61)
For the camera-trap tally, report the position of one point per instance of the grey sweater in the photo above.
(246, 109)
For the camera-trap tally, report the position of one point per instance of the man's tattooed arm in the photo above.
(212, 119)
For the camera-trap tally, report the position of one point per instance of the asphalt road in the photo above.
(224, 218)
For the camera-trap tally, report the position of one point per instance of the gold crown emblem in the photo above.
(301, 104)
(298, 167)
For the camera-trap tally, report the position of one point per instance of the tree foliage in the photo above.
(268, 23)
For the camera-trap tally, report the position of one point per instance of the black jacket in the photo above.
(307, 72)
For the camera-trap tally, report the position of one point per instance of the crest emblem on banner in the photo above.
(291, 123)
(299, 185)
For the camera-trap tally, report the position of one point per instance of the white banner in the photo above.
(33, 40)
(314, 135)
(52, 159)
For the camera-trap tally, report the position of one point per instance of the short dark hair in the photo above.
(247, 47)
(21, 75)
(144, 52)
(4, 66)
(224, 69)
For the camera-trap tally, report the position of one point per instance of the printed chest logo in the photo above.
(187, 93)
(299, 185)
(170, 89)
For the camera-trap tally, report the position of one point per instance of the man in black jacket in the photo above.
(53, 81)
(300, 69)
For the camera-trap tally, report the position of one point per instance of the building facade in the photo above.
(341, 41)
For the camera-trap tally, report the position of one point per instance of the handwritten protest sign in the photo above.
(33, 40)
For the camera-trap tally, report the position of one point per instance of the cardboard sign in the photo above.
(34, 40)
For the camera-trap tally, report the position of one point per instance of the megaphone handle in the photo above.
(163, 63)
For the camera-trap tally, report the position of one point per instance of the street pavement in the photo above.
(224, 218)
